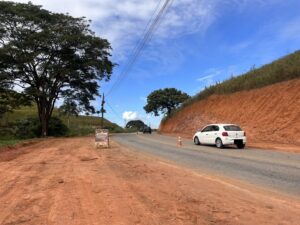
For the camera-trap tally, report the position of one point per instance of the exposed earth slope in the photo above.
(270, 115)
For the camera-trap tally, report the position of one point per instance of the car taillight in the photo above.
(244, 133)
(224, 134)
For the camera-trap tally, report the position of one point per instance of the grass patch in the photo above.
(78, 125)
(9, 143)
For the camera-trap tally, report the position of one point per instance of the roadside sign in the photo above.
(102, 137)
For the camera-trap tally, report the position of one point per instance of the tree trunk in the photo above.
(44, 126)
(169, 110)
(44, 116)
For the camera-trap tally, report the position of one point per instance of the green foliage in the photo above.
(51, 55)
(135, 125)
(57, 128)
(8, 142)
(69, 108)
(7, 132)
(10, 99)
(283, 69)
(27, 128)
(78, 125)
(113, 128)
(164, 101)
(30, 128)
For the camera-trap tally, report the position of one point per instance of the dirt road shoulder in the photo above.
(68, 181)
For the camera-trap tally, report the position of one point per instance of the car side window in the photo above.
(207, 129)
(216, 128)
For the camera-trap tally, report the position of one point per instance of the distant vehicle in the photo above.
(221, 135)
(147, 129)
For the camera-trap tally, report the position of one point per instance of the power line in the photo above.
(114, 111)
(152, 24)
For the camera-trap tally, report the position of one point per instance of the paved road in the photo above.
(277, 171)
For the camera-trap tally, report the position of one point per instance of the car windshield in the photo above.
(232, 128)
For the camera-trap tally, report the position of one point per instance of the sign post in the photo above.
(101, 137)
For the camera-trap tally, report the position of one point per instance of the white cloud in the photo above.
(130, 115)
(123, 22)
(209, 77)
(212, 75)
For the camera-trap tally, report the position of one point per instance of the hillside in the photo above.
(283, 69)
(270, 115)
(268, 109)
(78, 125)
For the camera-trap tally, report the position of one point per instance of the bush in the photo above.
(57, 128)
(31, 128)
(27, 128)
(7, 133)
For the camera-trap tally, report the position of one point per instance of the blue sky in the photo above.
(197, 43)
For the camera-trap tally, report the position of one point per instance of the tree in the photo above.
(5, 103)
(164, 101)
(69, 108)
(51, 56)
(138, 124)
(10, 99)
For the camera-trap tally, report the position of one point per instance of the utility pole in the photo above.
(102, 110)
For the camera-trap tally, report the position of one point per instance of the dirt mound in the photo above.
(270, 115)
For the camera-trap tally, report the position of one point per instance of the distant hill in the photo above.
(79, 125)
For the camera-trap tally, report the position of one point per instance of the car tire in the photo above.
(196, 141)
(240, 145)
(219, 143)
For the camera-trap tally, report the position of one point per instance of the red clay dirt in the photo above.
(68, 181)
(270, 115)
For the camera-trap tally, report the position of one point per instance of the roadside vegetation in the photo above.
(8, 142)
(283, 69)
(23, 123)
(48, 56)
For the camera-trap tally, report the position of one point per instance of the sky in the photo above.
(197, 43)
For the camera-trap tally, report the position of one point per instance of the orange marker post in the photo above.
(179, 142)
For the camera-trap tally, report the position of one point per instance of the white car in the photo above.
(220, 135)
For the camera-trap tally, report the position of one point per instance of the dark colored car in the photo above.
(147, 129)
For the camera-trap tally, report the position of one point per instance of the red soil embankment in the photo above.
(270, 115)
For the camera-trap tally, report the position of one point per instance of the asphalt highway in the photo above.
(273, 170)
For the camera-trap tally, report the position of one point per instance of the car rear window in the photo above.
(232, 128)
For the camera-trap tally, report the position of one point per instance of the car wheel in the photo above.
(219, 143)
(196, 141)
(240, 145)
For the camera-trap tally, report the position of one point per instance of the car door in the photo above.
(213, 134)
(204, 135)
